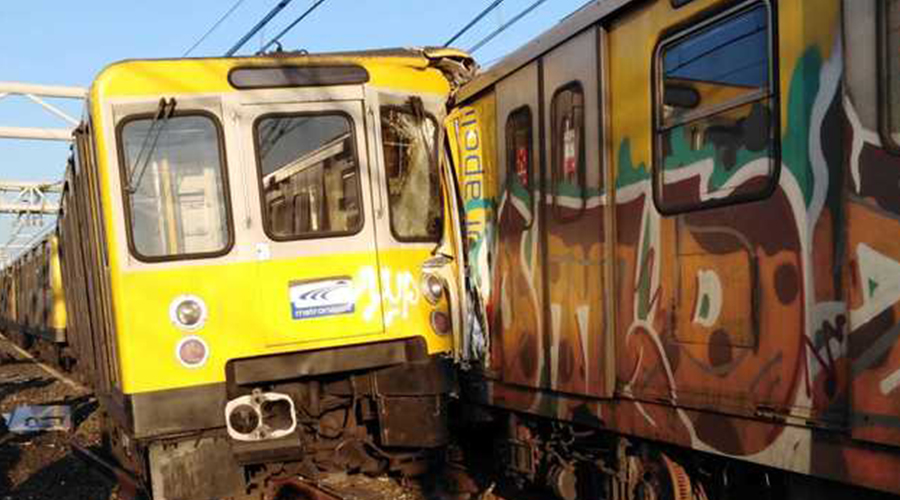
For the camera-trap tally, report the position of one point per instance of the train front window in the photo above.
(175, 186)
(892, 65)
(413, 180)
(309, 175)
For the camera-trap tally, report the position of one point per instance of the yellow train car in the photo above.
(32, 304)
(683, 227)
(257, 258)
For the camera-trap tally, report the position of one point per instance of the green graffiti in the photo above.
(643, 286)
(704, 307)
(628, 173)
(795, 142)
(684, 155)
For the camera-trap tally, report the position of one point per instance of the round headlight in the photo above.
(192, 352)
(440, 322)
(188, 312)
(432, 288)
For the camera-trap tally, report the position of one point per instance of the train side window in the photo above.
(302, 159)
(568, 169)
(174, 183)
(520, 157)
(414, 189)
(716, 113)
(890, 78)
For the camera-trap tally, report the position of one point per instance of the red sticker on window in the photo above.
(569, 151)
(522, 164)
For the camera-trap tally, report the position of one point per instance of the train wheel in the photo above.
(652, 475)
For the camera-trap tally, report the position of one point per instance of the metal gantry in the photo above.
(33, 204)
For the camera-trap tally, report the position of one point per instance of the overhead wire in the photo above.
(308, 11)
(213, 28)
(479, 17)
(264, 21)
(506, 25)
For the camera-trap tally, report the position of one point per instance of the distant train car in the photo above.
(32, 304)
(683, 227)
(257, 263)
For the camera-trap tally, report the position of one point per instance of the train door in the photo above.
(316, 256)
(518, 346)
(573, 206)
(712, 224)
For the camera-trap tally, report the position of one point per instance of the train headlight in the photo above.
(188, 312)
(440, 322)
(192, 352)
(432, 288)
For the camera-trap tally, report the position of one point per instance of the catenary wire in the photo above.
(265, 20)
(291, 26)
(474, 20)
(506, 25)
(213, 28)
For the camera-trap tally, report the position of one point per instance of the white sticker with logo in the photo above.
(314, 299)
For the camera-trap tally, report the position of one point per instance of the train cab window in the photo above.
(519, 156)
(890, 82)
(568, 167)
(715, 113)
(303, 160)
(175, 186)
(414, 191)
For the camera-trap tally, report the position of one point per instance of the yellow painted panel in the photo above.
(199, 76)
(250, 315)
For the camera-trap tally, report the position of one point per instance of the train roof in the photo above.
(567, 28)
(411, 69)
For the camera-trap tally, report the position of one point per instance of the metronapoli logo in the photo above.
(314, 299)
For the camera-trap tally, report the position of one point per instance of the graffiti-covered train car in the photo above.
(683, 234)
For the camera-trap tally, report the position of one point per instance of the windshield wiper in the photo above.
(160, 120)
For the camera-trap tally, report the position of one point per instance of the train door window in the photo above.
(306, 155)
(408, 138)
(519, 155)
(175, 186)
(890, 81)
(716, 113)
(567, 151)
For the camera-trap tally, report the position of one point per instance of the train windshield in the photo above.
(175, 186)
(414, 191)
(309, 175)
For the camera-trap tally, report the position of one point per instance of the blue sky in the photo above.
(67, 43)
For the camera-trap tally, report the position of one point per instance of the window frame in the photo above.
(582, 152)
(433, 161)
(680, 32)
(884, 92)
(126, 197)
(261, 189)
(510, 155)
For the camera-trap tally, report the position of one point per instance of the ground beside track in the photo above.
(42, 466)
